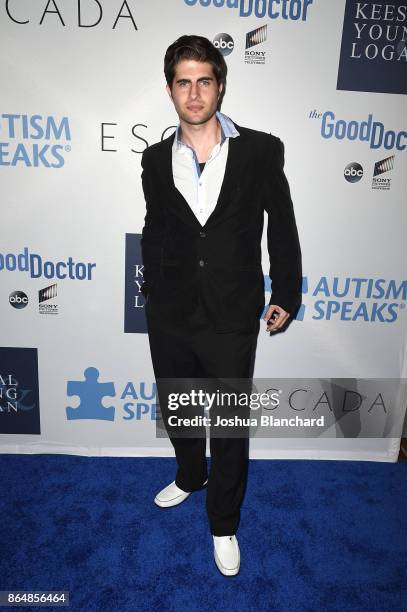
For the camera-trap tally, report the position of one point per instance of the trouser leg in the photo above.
(228, 355)
(197, 351)
(172, 357)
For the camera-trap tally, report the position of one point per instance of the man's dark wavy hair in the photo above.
(196, 48)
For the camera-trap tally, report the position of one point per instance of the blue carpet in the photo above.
(314, 535)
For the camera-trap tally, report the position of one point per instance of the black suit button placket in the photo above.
(201, 260)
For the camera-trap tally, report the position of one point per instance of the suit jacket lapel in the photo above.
(179, 205)
(234, 169)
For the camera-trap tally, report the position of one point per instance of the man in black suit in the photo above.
(206, 189)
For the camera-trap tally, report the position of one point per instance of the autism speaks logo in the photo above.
(372, 300)
(34, 141)
(138, 402)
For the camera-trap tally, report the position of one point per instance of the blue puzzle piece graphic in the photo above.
(91, 392)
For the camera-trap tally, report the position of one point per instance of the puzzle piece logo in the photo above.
(90, 392)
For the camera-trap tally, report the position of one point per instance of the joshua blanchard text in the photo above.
(264, 421)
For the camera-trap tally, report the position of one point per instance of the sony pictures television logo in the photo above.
(353, 172)
(381, 167)
(224, 42)
(254, 38)
(45, 295)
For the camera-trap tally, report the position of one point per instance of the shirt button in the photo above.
(202, 234)
(201, 263)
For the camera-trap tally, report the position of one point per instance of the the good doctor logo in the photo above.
(36, 266)
(368, 130)
(297, 10)
(373, 300)
(34, 140)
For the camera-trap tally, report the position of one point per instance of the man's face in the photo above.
(194, 91)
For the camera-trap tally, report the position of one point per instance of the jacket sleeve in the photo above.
(153, 230)
(282, 235)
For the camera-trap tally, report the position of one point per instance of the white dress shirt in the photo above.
(201, 190)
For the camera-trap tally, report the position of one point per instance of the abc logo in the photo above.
(18, 299)
(353, 172)
(224, 43)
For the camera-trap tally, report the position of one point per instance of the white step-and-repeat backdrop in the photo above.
(82, 95)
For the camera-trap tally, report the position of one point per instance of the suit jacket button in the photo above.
(201, 263)
(202, 234)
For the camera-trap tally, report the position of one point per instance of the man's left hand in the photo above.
(280, 317)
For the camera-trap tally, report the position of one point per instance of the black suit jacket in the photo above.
(221, 261)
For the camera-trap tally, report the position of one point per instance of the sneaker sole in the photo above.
(171, 502)
(174, 502)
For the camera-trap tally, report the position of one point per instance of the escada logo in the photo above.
(274, 9)
(89, 13)
(33, 140)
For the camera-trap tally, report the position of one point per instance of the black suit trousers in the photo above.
(192, 349)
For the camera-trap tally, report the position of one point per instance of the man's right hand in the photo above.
(279, 318)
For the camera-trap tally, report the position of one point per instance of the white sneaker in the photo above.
(227, 554)
(172, 495)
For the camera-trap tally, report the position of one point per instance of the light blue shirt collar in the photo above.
(227, 127)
